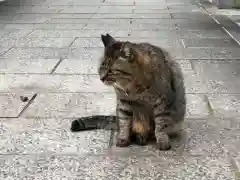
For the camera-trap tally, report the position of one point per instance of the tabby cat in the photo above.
(150, 93)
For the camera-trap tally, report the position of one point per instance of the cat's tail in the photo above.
(94, 122)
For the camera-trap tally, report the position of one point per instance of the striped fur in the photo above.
(150, 93)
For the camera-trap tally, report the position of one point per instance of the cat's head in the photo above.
(122, 66)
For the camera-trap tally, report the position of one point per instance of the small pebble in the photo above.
(24, 98)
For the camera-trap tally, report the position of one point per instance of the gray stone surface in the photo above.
(70, 83)
(135, 24)
(13, 65)
(114, 166)
(198, 43)
(220, 76)
(188, 25)
(51, 136)
(11, 103)
(87, 104)
(38, 42)
(72, 105)
(51, 83)
(49, 53)
(26, 53)
(208, 34)
(225, 104)
(33, 18)
(211, 53)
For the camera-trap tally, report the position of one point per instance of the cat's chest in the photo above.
(146, 99)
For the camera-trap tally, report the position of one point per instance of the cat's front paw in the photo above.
(163, 146)
(123, 143)
(163, 142)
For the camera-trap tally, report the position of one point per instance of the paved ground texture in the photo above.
(49, 51)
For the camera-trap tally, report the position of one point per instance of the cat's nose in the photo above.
(104, 76)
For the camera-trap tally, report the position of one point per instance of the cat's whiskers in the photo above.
(117, 86)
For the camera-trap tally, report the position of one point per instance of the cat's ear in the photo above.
(107, 40)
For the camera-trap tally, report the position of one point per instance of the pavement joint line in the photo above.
(222, 26)
(55, 67)
(3, 53)
(72, 42)
(209, 106)
(28, 104)
(27, 34)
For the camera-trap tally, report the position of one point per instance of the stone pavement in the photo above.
(48, 76)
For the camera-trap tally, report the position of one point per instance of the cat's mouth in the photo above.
(108, 81)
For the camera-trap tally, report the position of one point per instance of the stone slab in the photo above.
(67, 26)
(96, 42)
(21, 26)
(221, 76)
(150, 11)
(76, 33)
(197, 26)
(211, 53)
(73, 16)
(79, 9)
(115, 165)
(34, 18)
(189, 7)
(218, 69)
(97, 16)
(34, 53)
(27, 65)
(38, 42)
(226, 105)
(152, 16)
(11, 104)
(163, 22)
(208, 34)
(89, 65)
(7, 34)
(25, 3)
(150, 7)
(198, 43)
(115, 10)
(50, 136)
(38, 9)
(192, 16)
(6, 10)
(196, 106)
(73, 105)
(230, 136)
(73, 3)
(52, 83)
(87, 20)
(135, 26)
